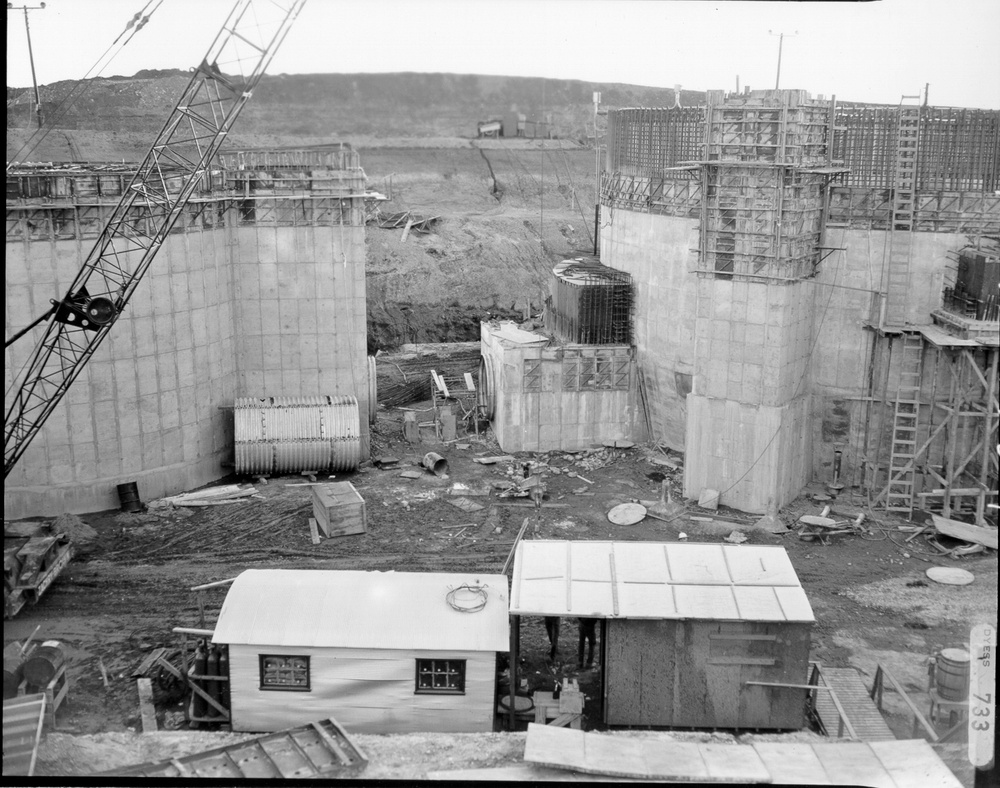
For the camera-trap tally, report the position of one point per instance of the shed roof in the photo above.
(353, 609)
(657, 580)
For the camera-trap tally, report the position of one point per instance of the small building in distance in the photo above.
(686, 627)
(382, 652)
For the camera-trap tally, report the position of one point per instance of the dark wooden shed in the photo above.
(688, 629)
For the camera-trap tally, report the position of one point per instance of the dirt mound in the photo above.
(75, 528)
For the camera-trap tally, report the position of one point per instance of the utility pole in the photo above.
(781, 41)
(31, 56)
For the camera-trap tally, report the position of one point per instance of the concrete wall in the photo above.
(223, 312)
(656, 251)
(842, 358)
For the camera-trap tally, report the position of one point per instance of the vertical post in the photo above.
(515, 633)
(31, 56)
(777, 78)
(989, 417)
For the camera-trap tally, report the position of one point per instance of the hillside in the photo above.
(402, 104)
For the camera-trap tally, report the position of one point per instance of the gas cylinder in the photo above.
(200, 669)
(224, 672)
(212, 687)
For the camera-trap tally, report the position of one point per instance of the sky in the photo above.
(858, 51)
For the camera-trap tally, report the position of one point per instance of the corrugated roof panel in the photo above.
(795, 604)
(351, 609)
(591, 561)
(646, 600)
(697, 564)
(589, 598)
(714, 602)
(640, 562)
(756, 603)
(760, 566)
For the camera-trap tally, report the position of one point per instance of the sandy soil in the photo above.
(130, 585)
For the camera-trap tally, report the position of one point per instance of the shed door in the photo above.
(639, 672)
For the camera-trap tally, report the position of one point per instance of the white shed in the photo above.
(382, 652)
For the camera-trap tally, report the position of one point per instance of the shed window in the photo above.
(284, 673)
(440, 677)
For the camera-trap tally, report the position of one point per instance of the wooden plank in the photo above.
(794, 763)
(313, 530)
(561, 748)
(914, 764)
(521, 772)
(965, 531)
(852, 763)
(734, 763)
(147, 710)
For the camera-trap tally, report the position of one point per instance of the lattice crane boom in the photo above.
(178, 159)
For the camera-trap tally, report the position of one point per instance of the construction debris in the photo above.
(213, 496)
(978, 534)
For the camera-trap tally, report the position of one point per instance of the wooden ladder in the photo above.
(906, 415)
(903, 209)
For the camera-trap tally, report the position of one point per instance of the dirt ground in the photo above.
(130, 585)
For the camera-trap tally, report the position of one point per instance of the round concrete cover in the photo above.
(950, 575)
(627, 513)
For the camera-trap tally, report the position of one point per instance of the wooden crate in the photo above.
(339, 509)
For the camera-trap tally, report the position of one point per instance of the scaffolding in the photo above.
(940, 424)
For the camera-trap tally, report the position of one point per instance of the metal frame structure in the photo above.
(178, 160)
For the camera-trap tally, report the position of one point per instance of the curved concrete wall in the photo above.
(226, 310)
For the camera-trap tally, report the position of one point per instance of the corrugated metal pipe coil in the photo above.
(293, 434)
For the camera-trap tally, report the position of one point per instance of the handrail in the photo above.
(877, 688)
(844, 721)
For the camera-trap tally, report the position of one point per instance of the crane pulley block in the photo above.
(81, 310)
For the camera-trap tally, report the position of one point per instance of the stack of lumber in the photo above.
(404, 377)
(213, 496)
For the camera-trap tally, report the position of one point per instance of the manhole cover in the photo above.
(950, 575)
(627, 513)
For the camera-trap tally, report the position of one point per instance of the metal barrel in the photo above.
(435, 463)
(291, 434)
(13, 668)
(952, 674)
(43, 664)
(128, 497)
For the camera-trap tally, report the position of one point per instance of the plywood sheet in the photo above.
(734, 763)
(678, 760)
(590, 598)
(794, 763)
(795, 604)
(698, 564)
(758, 604)
(760, 566)
(640, 562)
(559, 747)
(914, 764)
(647, 600)
(591, 561)
(853, 763)
(712, 602)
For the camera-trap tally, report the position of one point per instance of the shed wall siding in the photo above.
(693, 673)
(365, 690)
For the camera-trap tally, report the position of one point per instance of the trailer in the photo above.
(30, 566)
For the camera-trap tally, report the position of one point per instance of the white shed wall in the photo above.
(365, 690)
